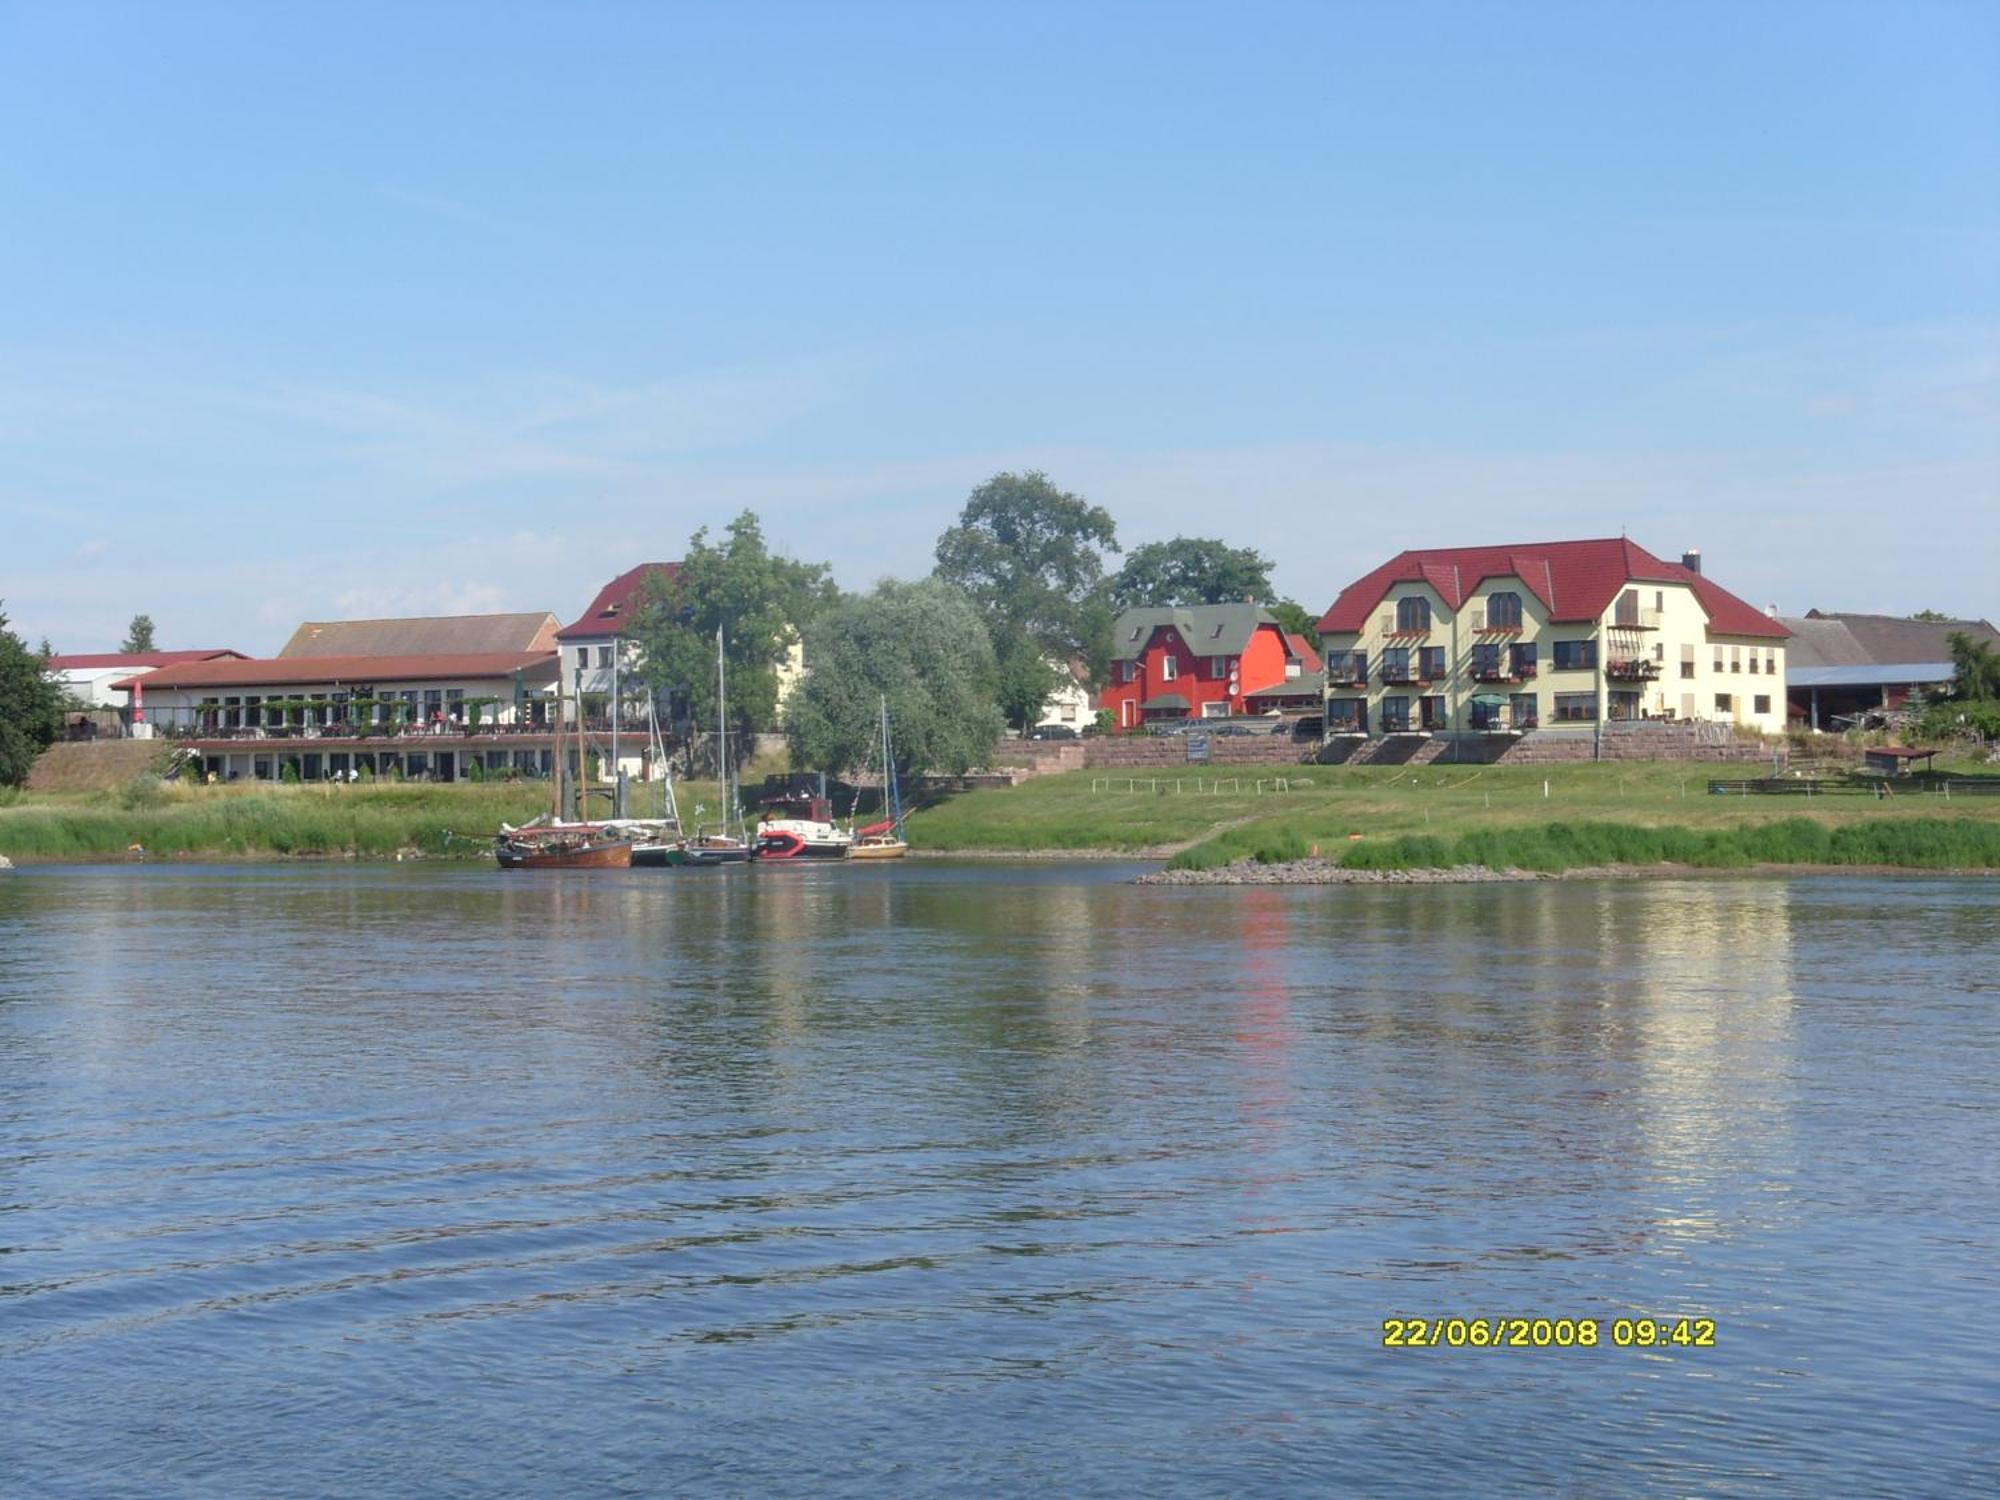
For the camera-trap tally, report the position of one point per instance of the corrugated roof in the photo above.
(1208, 629)
(133, 660)
(1573, 580)
(617, 602)
(1166, 700)
(1868, 674)
(341, 671)
(423, 635)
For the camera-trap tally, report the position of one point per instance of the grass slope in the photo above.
(1339, 810)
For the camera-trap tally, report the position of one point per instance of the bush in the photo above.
(289, 773)
(142, 791)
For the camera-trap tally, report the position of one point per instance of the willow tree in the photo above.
(924, 648)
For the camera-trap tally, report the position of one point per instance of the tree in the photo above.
(138, 636)
(1190, 570)
(30, 707)
(1024, 680)
(1975, 668)
(924, 647)
(1031, 559)
(1295, 619)
(758, 601)
(1934, 616)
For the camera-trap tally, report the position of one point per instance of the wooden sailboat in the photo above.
(884, 840)
(556, 845)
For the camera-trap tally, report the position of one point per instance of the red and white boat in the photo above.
(799, 825)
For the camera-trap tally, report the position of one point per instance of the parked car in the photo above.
(1309, 727)
(1052, 732)
(1232, 728)
(1171, 726)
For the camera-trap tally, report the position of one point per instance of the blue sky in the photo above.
(358, 309)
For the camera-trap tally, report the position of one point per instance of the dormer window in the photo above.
(1213, 634)
(1135, 631)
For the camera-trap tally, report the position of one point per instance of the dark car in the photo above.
(1309, 727)
(1052, 732)
(1231, 728)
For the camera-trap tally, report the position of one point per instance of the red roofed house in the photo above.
(1204, 661)
(588, 642)
(1499, 640)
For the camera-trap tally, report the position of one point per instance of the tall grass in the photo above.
(362, 821)
(1913, 843)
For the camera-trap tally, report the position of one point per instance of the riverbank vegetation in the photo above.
(1213, 817)
(1545, 818)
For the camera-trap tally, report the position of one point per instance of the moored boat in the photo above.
(799, 825)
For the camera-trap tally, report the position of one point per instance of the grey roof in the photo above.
(1868, 674)
(431, 635)
(1823, 638)
(1208, 629)
(1165, 700)
(1306, 682)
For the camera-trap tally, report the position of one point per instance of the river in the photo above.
(965, 1179)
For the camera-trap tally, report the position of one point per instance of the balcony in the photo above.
(1632, 669)
(1350, 672)
(1635, 619)
(1498, 674)
(1399, 676)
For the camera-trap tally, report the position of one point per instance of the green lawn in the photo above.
(1335, 808)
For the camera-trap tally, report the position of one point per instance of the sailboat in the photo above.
(884, 840)
(721, 847)
(661, 844)
(552, 844)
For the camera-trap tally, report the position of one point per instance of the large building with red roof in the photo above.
(1539, 635)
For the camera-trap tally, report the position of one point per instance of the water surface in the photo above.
(961, 1179)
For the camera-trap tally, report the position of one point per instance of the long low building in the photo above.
(1846, 669)
(430, 716)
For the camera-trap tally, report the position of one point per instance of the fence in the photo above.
(1200, 786)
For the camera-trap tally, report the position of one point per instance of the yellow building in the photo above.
(1548, 635)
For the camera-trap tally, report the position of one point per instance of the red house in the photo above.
(1204, 661)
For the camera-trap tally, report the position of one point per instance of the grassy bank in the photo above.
(1342, 812)
(372, 821)
(1369, 817)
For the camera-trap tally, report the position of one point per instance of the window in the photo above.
(1486, 662)
(1395, 715)
(1218, 666)
(1771, 662)
(1433, 713)
(1485, 713)
(1576, 656)
(1219, 709)
(1521, 708)
(1735, 658)
(1753, 663)
(1718, 659)
(604, 656)
(1687, 667)
(1524, 658)
(1626, 612)
(1722, 703)
(1396, 664)
(1069, 711)
(1576, 708)
(1503, 611)
(1625, 706)
(454, 704)
(1659, 651)
(1347, 716)
(1660, 601)
(1430, 663)
(1169, 668)
(1413, 615)
(1761, 703)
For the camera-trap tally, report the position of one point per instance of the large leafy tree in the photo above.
(31, 706)
(1190, 570)
(1975, 667)
(924, 647)
(138, 636)
(759, 601)
(1030, 556)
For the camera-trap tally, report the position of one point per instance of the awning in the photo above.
(1165, 700)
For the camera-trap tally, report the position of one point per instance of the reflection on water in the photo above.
(941, 1178)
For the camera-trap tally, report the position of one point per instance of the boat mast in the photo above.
(617, 781)
(558, 750)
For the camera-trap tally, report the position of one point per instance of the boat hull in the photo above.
(658, 856)
(886, 849)
(609, 856)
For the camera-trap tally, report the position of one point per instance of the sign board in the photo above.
(1197, 747)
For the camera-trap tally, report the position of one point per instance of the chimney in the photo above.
(1691, 559)
(1771, 610)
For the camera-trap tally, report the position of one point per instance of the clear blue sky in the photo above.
(357, 309)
